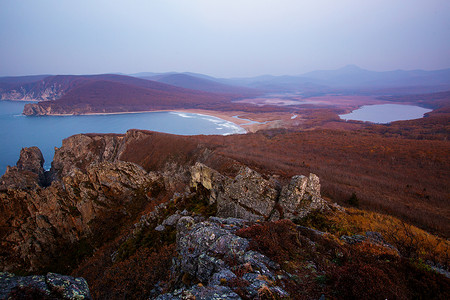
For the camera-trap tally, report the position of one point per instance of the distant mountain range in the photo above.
(348, 78)
(199, 82)
(62, 94)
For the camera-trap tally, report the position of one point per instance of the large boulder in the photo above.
(300, 197)
(251, 196)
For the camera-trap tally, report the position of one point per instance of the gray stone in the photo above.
(160, 228)
(224, 275)
(171, 220)
(208, 265)
(252, 197)
(214, 292)
(61, 286)
(229, 245)
(209, 251)
(300, 197)
(69, 287)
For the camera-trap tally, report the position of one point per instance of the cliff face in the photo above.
(40, 89)
(90, 191)
(34, 109)
(89, 188)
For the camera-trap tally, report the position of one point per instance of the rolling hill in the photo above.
(70, 94)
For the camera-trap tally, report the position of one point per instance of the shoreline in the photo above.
(227, 116)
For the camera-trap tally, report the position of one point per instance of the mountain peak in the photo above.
(351, 68)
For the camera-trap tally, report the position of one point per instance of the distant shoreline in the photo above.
(221, 115)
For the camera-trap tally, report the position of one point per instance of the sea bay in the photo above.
(46, 132)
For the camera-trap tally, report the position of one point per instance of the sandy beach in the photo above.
(227, 116)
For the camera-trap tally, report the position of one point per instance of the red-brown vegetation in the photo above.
(135, 276)
(323, 265)
(403, 177)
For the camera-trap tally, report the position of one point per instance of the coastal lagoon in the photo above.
(46, 132)
(386, 113)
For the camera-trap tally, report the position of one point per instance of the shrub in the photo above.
(353, 200)
(278, 240)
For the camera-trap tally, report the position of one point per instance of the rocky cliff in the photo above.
(37, 88)
(89, 186)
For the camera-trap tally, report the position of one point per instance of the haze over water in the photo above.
(18, 131)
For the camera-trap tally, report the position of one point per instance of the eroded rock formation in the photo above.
(252, 197)
(212, 254)
(90, 192)
(28, 173)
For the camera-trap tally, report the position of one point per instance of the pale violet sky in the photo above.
(221, 38)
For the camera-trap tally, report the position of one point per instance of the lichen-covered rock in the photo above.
(209, 251)
(52, 285)
(199, 292)
(248, 196)
(301, 196)
(222, 277)
(251, 196)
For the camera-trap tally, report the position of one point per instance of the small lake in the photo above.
(386, 113)
(46, 132)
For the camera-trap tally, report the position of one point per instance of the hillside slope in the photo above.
(113, 93)
(201, 84)
(147, 215)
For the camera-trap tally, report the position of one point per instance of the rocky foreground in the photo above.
(141, 222)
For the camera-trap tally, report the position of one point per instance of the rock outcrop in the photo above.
(211, 254)
(34, 109)
(252, 197)
(28, 173)
(50, 286)
(89, 192)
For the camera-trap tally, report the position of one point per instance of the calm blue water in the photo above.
(386, 113)
(47, 132)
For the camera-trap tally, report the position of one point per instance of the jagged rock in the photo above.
(80, 151)
(51, 285)
(301, 196)
(28, 173)
(221, 277)
(91, 186)
(31, 159)
(209, 251)
(67, 211)
(252, 197)
(160, 228)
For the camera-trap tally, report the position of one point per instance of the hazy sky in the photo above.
(221, 37)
